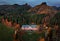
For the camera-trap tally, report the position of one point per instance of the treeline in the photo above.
(55, 20)
(26, 18)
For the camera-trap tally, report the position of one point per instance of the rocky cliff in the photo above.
(43, 9)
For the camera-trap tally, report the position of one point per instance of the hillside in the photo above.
(14, 9)
(43, 9)
(25, 14)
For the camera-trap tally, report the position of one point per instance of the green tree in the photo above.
(55, 19)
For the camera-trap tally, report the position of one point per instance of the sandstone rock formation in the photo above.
(43, 9)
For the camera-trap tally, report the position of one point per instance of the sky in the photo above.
(31, 2)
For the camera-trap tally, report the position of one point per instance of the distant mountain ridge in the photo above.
(44, 9)
(39, 9)
(4, 9)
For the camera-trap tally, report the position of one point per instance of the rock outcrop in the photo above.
(43, 9)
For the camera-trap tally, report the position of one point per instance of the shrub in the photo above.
(6, 34)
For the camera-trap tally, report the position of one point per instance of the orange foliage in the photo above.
(42, 39)
(9, 23)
